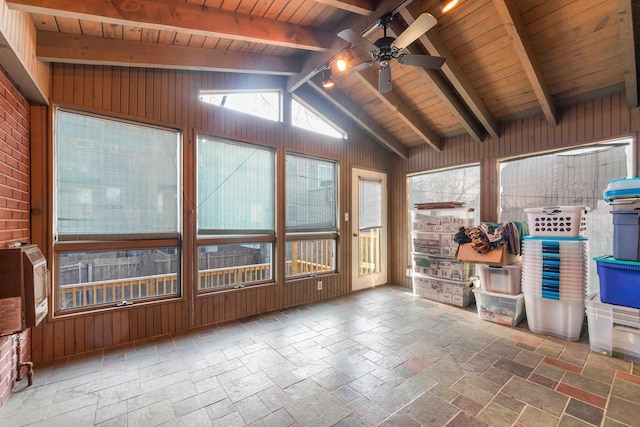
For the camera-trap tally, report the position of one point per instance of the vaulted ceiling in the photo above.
(504, 59)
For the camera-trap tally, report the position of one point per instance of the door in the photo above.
(368, 229)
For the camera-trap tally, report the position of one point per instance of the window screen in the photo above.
(236, 188)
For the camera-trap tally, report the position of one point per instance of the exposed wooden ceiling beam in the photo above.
(360, 24)
(77, 49)
(361, 7)
(627, 41)
(516, 31)
(395, 104)
(169, 15)
(353, 111)
(435, 46)
(442, 89)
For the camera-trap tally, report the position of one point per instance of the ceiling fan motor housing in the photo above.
(385, 52)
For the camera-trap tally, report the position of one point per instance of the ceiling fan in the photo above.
(387, 48)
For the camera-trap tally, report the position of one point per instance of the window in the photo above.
(575, 177)
(304, 117)
(311, 220)
(235, 213)
(265, 104)
(118, 182)
(451, 185)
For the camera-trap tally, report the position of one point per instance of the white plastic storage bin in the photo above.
(499, 308)
(458, 293)
(501, 279)
(446, 268)
(613, 330)
(557, 221)
(562, 319)
(434, 243)
(441, 220)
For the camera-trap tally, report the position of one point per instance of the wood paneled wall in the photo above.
(583, 123)
(169, 98)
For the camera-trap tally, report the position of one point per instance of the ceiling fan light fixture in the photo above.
(447, 5)
(327, 81)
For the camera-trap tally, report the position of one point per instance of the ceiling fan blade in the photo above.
(420, 26)
(354, 69)
(356, 39)
(384, 79)
(424, 61)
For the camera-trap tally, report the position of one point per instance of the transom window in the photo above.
(265, 104)
(303, 116)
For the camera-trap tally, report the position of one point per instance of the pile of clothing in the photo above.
(489, 235)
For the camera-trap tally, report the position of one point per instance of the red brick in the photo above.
(14, 204)
(628, 377)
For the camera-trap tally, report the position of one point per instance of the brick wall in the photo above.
(14, 206)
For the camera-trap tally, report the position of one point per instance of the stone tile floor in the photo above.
(377, 357)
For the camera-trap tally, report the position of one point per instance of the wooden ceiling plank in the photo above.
(625, 23)
(359, 24)
(435, 46)
(353, 111)
(361, 7)
(444, 92)
(370, 79)
(61, 47)
(515, 29)
(184, 17)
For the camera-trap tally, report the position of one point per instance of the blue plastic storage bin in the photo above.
(619, 281)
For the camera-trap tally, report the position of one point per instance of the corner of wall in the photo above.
(15, 186)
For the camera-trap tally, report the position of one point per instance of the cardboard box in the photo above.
(497, 256)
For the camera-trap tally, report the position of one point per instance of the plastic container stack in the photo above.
(555, 270)
(499, 298)
(613, 313)
(436, 273)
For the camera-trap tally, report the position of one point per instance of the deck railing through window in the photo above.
(310, 256)
(369, 251)
(307, 256)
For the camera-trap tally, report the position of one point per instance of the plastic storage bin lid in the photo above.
(562, 239)
(622, 188)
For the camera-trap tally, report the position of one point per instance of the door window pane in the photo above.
(370, 204)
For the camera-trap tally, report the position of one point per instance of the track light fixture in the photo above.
(447, 5)
(327, 81)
